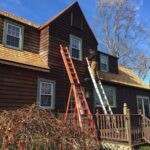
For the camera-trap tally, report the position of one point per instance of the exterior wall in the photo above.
(44, 43)
(125, 94)
(60, 31)
(61, 28)
(31, 40)
(18, 86)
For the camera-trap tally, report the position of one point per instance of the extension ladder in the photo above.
(77, 104)
(100, 92)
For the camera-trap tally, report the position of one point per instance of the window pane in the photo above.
(46, 88)
(103, 59)
(75, 53)
(104, 63)
(12, 41)
(45, 100)
(13, 35)
(75, 47)
(103, 67)
(110, 93)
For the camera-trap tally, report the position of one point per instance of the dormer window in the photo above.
(13, 35)
(104, 66)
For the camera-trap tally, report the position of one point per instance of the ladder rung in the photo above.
(78, 106)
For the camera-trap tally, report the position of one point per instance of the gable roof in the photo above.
(16, 18)
(22, 59)
(125, 77)
(63, 11)
(24, 21)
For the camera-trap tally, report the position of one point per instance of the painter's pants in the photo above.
(94, 68)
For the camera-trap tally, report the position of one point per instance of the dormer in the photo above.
(108, 63)
(17, 33)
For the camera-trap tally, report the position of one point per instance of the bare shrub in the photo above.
(33, 128)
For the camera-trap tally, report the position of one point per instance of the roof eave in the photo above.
(127, 85)
(15, 64)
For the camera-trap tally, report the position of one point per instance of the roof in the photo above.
(22, 57)
(16, 18)
(124, 77)
(24, 21)
(56, 16)
(62, 12)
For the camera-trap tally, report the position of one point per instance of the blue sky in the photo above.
(40, 11)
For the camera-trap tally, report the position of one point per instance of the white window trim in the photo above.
(114, 97)
(80, 50)
(21, 34)
(53, 93)
(107, 63)
(142, 97)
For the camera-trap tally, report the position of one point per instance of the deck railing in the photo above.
(146, 129)
(133, 129)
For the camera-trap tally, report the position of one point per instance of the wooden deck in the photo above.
(121, 131)
(128, 129)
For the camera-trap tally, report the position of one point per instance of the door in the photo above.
(144, 105)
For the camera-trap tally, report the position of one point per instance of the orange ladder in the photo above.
(77, 104)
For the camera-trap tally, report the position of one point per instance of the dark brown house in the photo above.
(32, 70)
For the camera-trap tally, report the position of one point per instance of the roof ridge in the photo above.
(57, 15)
(17, 18)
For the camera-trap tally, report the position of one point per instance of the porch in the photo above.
(122, 131)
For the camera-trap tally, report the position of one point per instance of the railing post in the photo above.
(126, 119)
(129, 127)
(97, 118)
(97, 124)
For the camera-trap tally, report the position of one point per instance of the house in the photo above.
(32, 69)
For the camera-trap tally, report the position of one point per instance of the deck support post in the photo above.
(129, 128)
(125, 107)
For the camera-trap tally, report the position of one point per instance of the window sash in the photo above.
(46, 91)
(113, 96)
(76, 46)
(104, 63)
(13, 31)
(13, 35)
(141, 105)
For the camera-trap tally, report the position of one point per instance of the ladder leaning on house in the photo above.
(77, 104)
(100, 92)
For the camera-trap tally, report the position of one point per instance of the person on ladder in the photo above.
(93, 60)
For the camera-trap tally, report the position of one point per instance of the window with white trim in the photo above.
(111, 96)
(104, 66)
(13, 35)
(143, 105)
(46, 93)
(76, 47)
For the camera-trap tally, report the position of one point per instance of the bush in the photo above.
(144, 148)
(33, 128)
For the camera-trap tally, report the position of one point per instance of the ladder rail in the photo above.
(98, 91)
(105, 97)
(66, 48)
(81, 110)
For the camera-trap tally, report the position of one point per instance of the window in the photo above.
(76, 47)
(143, 104)
(104, 63)
(13, 35)
(111, 96)
(46, 93)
